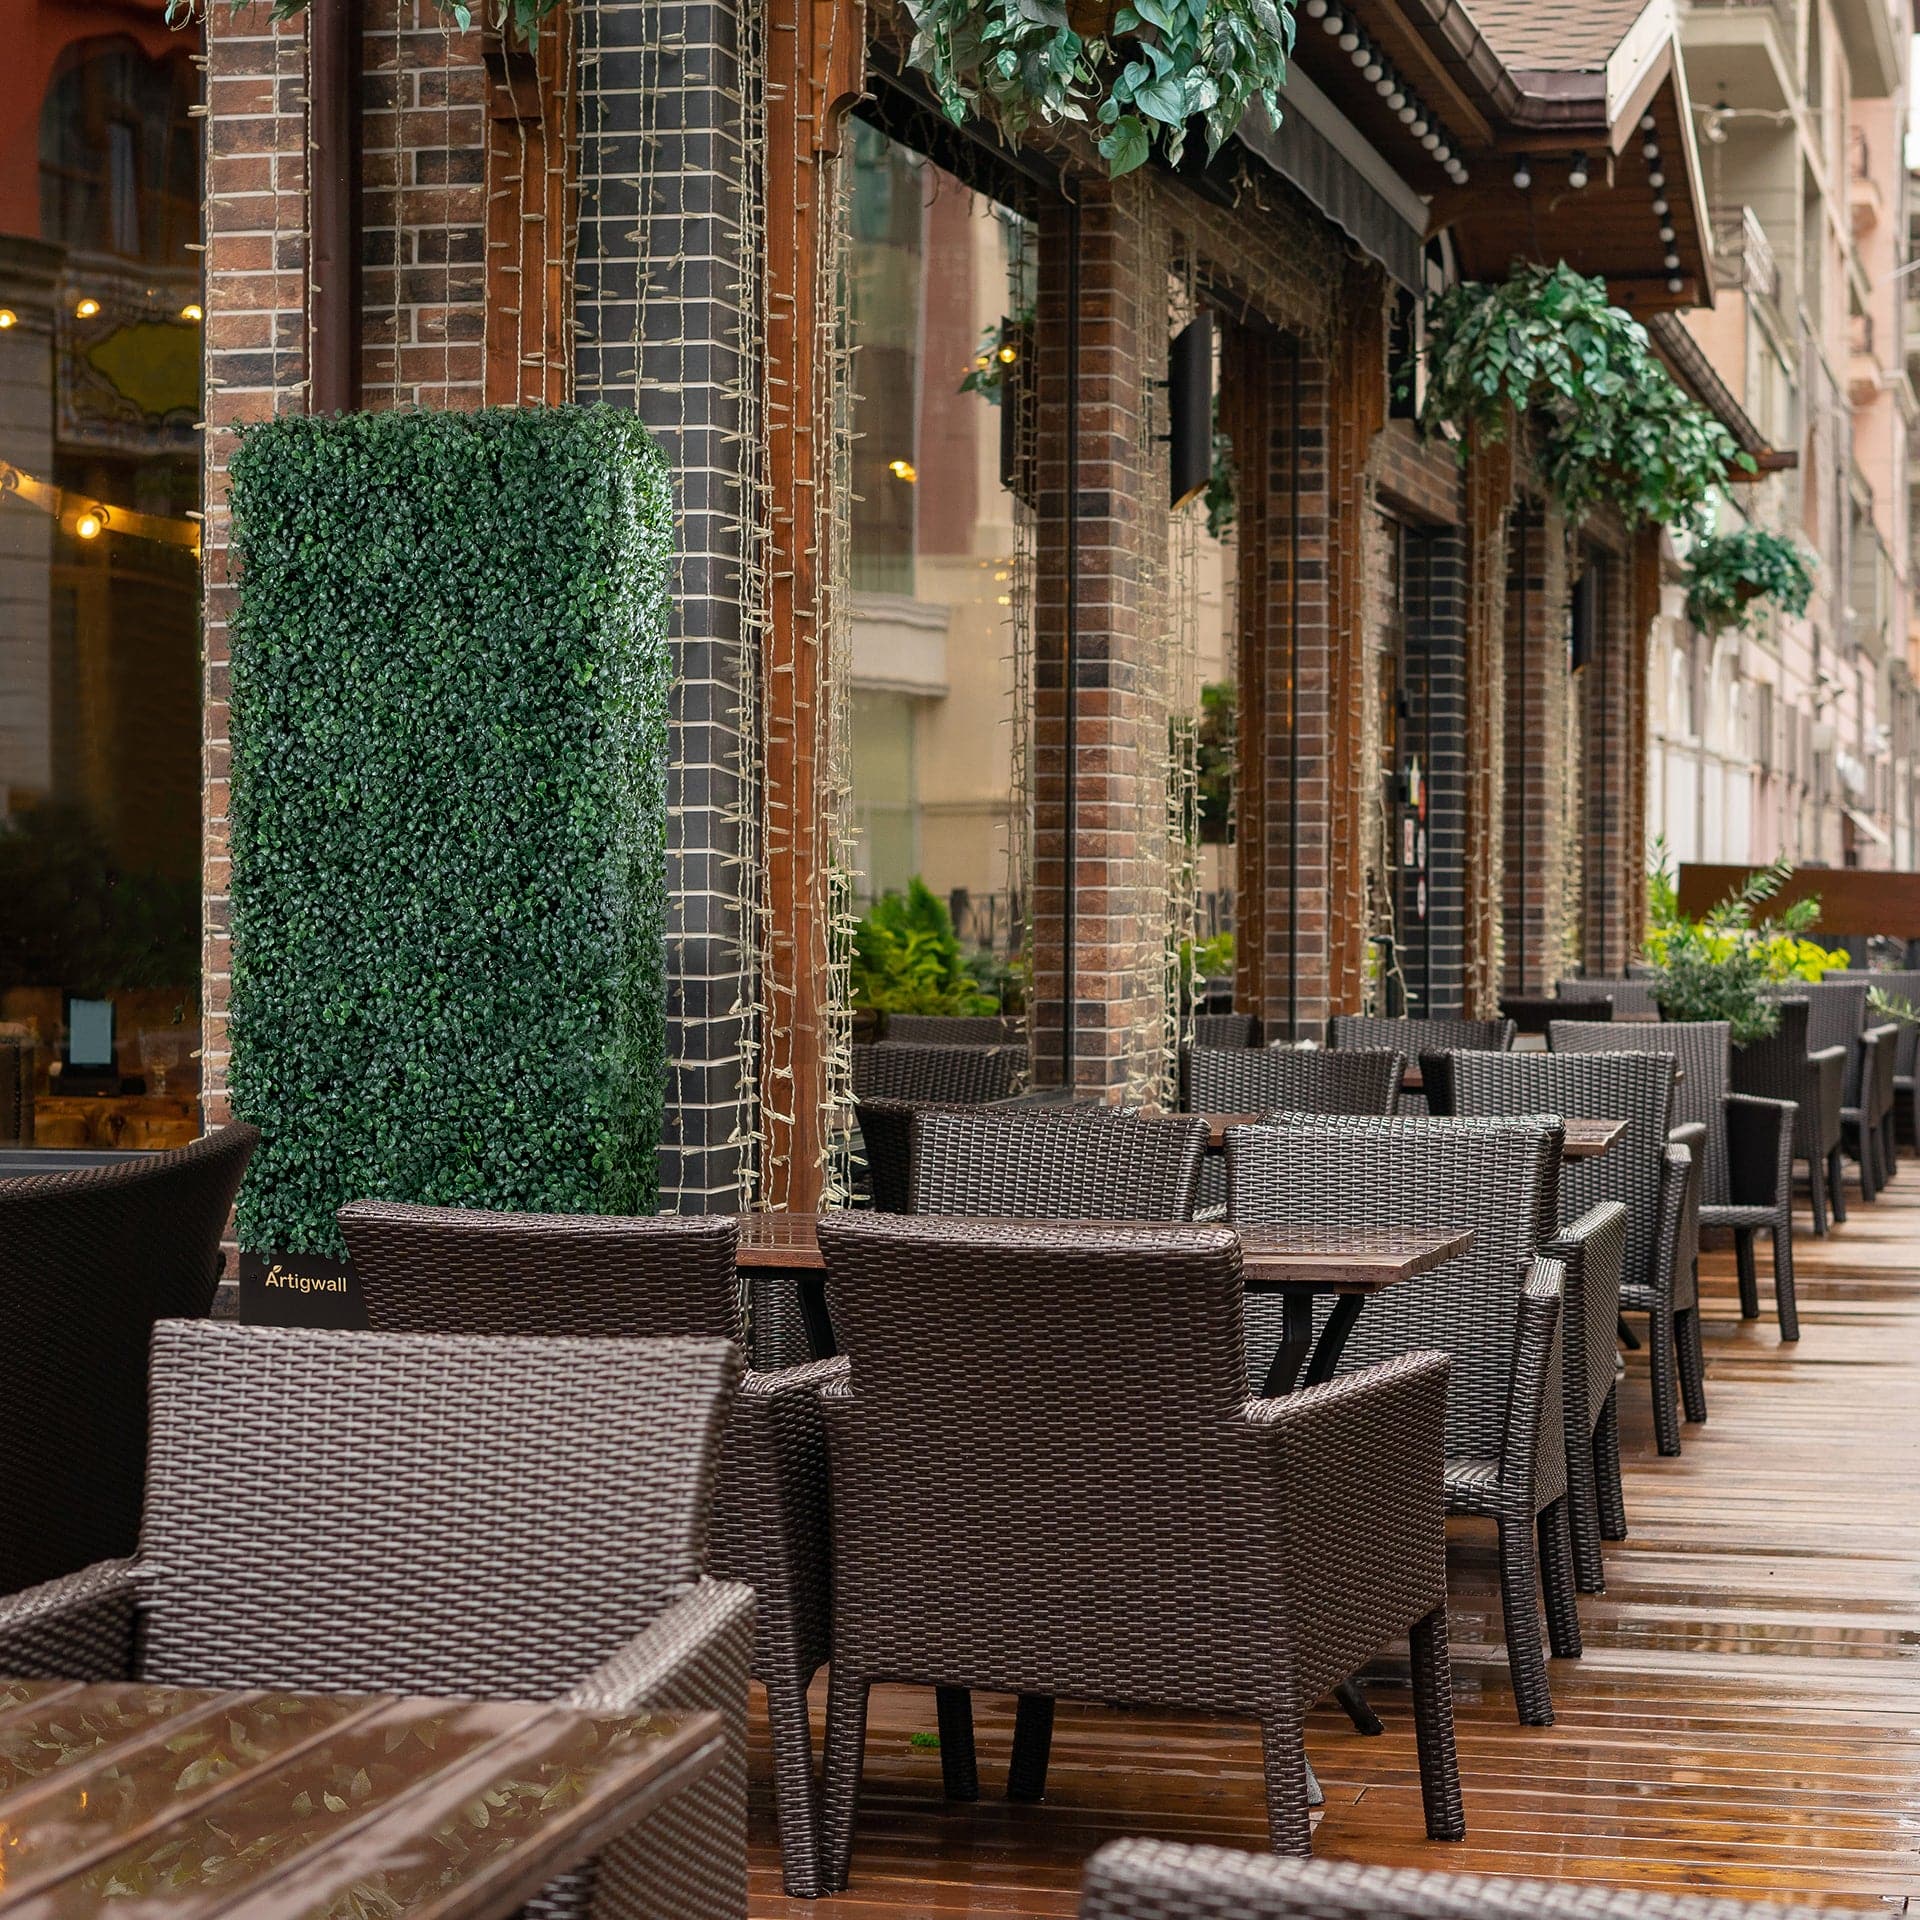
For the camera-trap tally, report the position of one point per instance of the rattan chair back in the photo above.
(88, 1262)
(1534, 1013)
(1900, 984)
(963, 1076)
(1493, 1176)
(954, 1030)
(1293, 1079)
(1701, 1048)
(417, 1513)
(1055, 1163)
(1629, 995)
(1163, 1880)
(1634, 1087)
(1777, 1067)
(1414, 1035)
(1223, 1030)
(1836, 1017)
(461, 1270)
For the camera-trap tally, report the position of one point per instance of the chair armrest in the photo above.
(79, 1627)
(1759, 1173)
(1593, 1250)
(694, 1654)
(1677, 1243)
(1535, 1397)
(804, 1381)
(1828, 1071)
(1691, 1134)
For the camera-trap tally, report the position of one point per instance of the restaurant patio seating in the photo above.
(954, 1030)
(1224, 1030)
(1495, 1310)
(1650, 1178)
(88, 1262)
(1416, 1037)
(548, 1276)
(1012, 1512)
(366, 1512)
(1534, 1013)
(1900, 984)
(1866, 1115)
(1746, 1171)
(1781, 1067)
(1163, 1880)
(1629, 994)
(963, 1075)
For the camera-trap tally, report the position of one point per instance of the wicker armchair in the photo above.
(1781, 1067)
(549, 1276)
(88, 1262)
(1629, 995)
(1650, 1179)
(1746, 1173)
(1866, 1115)
(1416, 1038)
(1495, 1311)
(366, 1512)
(954, 1030)
(1140, 1534)
(1159, 1880)
(1903, 984)
(1534, 1013)
(961, 1076)
(1224, 1030)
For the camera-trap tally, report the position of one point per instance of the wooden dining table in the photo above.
(1301, 1265)
(193, 1802)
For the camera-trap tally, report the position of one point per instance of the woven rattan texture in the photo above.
(1157, 1880)
(1701, 1049)
(1837, 1017)
(88, 1262)
(965, 1076)
(1060, 1163)
(1628, 996)
(1300, 1080)
(416, 1512)
(1413, 1037)
(1781, 1067)
(1224, 1030)
(1159, 1540)
(953, 1030)
(1900, 984)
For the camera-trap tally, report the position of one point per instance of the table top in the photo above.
(191, 1801)
(1272, 1259)
(1584, 1139)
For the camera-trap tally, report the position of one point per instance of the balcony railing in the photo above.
(1742, 253)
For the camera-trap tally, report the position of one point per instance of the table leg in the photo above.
(1296, 1335)
(1333, 1337)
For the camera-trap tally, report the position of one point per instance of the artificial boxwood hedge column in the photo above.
(449, 699)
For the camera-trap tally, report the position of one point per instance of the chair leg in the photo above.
(1556, 1582)
(1583, 1510)
(1433, 1728)
(1749, 1278)
(1520, 1604)
(1786, 1300)
(796, 1797)
(1693, 1363)
(1032, 1746)
(845, 1756)
(1289, 1829)
(1837, 1186)
(1817, 1194)
(1608, 1491)
(958, 1769)
(1666, 1406)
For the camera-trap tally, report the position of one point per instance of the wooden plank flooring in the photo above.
(1746, 1718)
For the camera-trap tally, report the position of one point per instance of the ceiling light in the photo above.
(1522, 177)
(87, 308)
(193, 311)
(1577, 173)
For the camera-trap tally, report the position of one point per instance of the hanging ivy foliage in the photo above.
(1611, 425)
(1728, 574)
(1138, 72)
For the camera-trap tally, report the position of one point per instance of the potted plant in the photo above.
(1728, 573)
(907, 959)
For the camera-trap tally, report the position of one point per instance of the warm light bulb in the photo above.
(87, 308)
(91, 524)
(8, 318)
(1008, 355)
(1577, 173)
(192, 311)
(903, 470)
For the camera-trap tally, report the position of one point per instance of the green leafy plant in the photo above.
(907, 958)
(1139, 72)
(1720, 967)
(1608, 420)
(1728, 572)
(449, 694)
(1216, 742)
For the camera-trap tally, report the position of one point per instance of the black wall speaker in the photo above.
(1190, 408)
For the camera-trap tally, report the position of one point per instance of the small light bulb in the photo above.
(1521, 177)
(1671, 261)
(1395, 98)
(8, 318)
(193, 312)
(1674, 284)
(1385, 88)
(1008, 355)
(1315, 8)
(1647, 123)
(1332, 23)
(1361, 56)
(1577, 173)
(1656, 179)
(1660, 209)
(1651, 149)
(1430, 140)
(1442, 153)
(87, 308)
(1410, 115)
(1666, 234)
(91, 524)
(1349, 40)
(903, 470)
(1373, 69)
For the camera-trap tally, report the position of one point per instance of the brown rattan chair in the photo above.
(1417, 1038)
(367, 1512)
(1629, 995)
(1224, 1030)
(88, 1262)
(1901, 984)
(1161, 1880)
(1783, 1066)
(1866, 1114)
(1138, 1533)
(961, 1076)
(954, 1030)
(1534, 1013)
(1745, 1176)
(548, 1276)
(1495, 1311)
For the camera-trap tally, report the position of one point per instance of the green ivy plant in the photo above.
(1728, 572)
(449, 709)
(907, 958)
(1140, 72)
(1610, 423)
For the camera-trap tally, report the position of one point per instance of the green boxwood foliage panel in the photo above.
(449, 697)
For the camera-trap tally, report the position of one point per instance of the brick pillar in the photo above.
(1483, 866)
(1612, 693)
(256, 331)
(1436, 587)
(1099, 892)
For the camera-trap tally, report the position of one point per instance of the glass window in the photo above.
(100, 607)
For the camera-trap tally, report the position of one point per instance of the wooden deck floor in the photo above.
(1746, 1718)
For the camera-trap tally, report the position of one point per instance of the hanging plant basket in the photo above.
(1728, 573)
